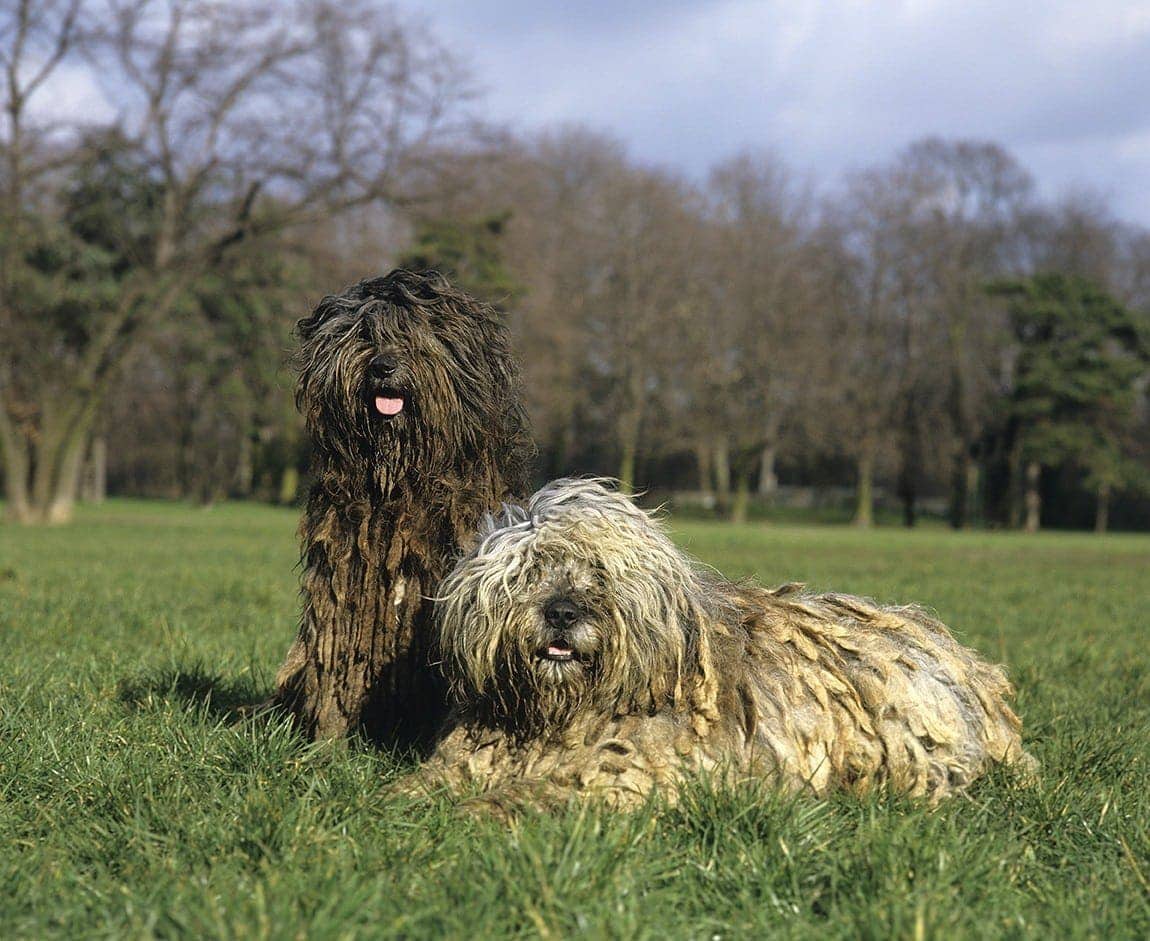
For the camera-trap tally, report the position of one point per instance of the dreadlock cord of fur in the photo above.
(588, 656)
(411, 398)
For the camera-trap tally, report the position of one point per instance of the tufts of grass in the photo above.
(138, 800)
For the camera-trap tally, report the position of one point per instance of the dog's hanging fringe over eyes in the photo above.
(411, 398)
(588, 656)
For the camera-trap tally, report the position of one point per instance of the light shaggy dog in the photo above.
(588, 656)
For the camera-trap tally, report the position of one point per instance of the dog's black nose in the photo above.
(561, 613)
(383, 366)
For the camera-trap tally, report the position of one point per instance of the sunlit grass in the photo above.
(134, 804)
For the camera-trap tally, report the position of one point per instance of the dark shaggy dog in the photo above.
(589, 656)
(412, 403)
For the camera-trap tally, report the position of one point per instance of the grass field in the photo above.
(133, 805)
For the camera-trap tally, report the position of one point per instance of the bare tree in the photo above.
(762, 322)
(864, 254)
(1076, 234)
(559, 244)
(969, 200)
(245, 123)
(35, 38)
(605, 253)
(646, 290)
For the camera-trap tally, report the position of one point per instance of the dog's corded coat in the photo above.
(411, 398)
(655, 667)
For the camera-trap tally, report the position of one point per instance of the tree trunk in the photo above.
(768, 479)
(960, 478)
(864, 490)
(721, 463)
(62, 499)
(627, 466)
(185, 453)
(910, 469)
(908, 491)
(58, 461)
(564, 452)
(908, 476)
(14, 453)
(43, 464)
(57, 447)
(741, 503)
(628, 429)
(974, 506)
(17, 508)
(245, 466)
(289, 485)
(1033, 498)
(1014, 487)
(46, 463)
(1102, 510)
(703, 469)
(94, 481)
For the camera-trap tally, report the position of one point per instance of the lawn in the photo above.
(133, 804)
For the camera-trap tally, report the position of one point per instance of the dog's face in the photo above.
(564, 635)
(404, 372)
(578, 603)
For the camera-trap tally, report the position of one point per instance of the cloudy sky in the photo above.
(828, 84)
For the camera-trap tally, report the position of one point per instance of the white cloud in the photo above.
(829, 84)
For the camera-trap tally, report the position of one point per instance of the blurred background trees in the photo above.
(929, 336)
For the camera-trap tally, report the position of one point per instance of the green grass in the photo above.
(133, 805)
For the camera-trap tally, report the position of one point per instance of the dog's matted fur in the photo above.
(588, 655)
(411, 398)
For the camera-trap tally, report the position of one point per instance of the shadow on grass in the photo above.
(214, 695)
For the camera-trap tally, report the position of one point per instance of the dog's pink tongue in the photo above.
(386, 406)
(554, 651)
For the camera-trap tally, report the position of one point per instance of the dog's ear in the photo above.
(306, 327)
(330, 306)
(510, 514)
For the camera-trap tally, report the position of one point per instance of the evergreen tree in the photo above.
(1080, 355)
(469, 253)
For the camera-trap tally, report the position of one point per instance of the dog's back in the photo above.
(851, 694)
